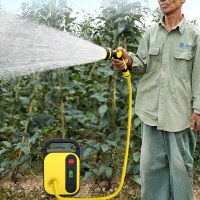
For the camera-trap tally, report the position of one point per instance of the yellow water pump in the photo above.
(62, 165)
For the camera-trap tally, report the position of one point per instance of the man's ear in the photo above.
(183, 1)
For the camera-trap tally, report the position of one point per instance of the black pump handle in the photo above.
(61, 141)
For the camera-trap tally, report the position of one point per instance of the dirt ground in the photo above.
(30, 187)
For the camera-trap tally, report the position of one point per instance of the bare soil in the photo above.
(30, 187)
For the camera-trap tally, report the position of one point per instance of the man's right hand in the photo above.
(119, 65)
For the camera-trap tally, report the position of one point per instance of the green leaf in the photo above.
(109, 161)
(1, 169)
(103, 135)
(102, 110)
(97, 146)
(8, 144)
(123, 24)
(105, 147)
(122, 118)
(87, 175)
(96, 171)
(34, 138)
(79, 116)
(15, 81)
(106, 116)
(18, 175)
(54, 75)
(94, 119)
(121, 132)
(5, 164)
(15, 163)
(25, 150)
(100, 96)
(102, 124)
(24, 100)
(19, 145)
(71, 85)
(87, 152)
(88, 158)
(36, 82)
(111, 142)
(91, 142)
(111, 73)
(109, 172)
(102, 169)
(132, 44)
(49, 122)
(69, 20)
(3, 129)
(112, 128)
(132, 144)
(89, 114)
(137, 122)
(107, 37)
(104, 69)
(68, 118)
(76, 112)
(88, 132)
(26, 135)
(118, 19)
(87, 165)
(137, 179)
(122, 42)
(136, 156)
(117, 172)
(26, 166)
(82, 149)
(3, 151)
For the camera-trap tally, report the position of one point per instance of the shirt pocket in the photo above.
(182, 64)
(153, 59)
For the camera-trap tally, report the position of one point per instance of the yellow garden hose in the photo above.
(54, 182)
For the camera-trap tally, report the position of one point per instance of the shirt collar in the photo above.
(180, 25)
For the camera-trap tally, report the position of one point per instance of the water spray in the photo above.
(27, 48)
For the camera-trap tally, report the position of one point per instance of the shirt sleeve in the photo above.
(196, 78)
(140, 58)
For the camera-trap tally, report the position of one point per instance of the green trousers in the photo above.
(166, 164)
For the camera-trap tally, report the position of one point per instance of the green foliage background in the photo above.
(88, 103)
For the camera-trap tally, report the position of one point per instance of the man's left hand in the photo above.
(195, 122)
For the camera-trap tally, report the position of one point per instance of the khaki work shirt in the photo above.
(169, 91)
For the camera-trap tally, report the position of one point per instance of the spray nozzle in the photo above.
(117, 55)
(112, 53)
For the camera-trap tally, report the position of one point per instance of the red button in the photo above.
(70, 161)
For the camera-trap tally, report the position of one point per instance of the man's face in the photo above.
(170, 6)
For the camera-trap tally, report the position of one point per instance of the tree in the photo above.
(53, 13)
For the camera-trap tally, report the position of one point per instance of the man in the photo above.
(168, 103)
